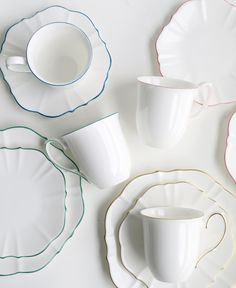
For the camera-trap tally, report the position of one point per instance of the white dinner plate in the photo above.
(199, 45)
(216, 270)
(230, 151)
(35, 96)
(180, 194)
(21, 140)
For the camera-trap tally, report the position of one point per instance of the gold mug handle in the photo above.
(221, 239)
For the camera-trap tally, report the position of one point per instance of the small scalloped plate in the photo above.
(36, 96)
(199, 45)
(27, 212)
(230, 151)
(216, 270)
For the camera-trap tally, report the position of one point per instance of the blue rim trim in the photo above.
(80, 76)
(69, 111)
(82, 201)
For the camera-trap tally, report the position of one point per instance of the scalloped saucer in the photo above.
(21, 143)
(36, 96)
(127, 267)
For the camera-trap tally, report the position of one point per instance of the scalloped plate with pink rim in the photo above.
(230, 151)
(199, 45)
(218, 271)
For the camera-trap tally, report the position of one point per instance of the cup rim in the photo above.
(92, 124)
(80, 75)
(161, 82)
(148, 213)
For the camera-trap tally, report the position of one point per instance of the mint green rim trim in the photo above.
(82, 200)
(65, 193)
(91, 124)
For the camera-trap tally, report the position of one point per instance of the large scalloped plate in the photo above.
(36, 96)
(23, 137)
(220, 274)
(32, 206)
(198, 45)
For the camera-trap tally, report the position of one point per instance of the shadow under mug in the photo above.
(99, 150)
(57, 54)
(171, 240)
(164, 107)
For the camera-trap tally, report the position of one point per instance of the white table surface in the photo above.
(130, 28)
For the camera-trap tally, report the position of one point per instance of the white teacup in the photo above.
(164, 108)
(171, 241)
(99, 150)
(57, 54)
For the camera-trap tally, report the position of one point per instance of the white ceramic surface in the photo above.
(199, 45)
(16, 137)
(164, 108)
(172, 237)
(32, 94)
(32, 207)
(57, 54)
(215, 270)
(230, 151)
(100, 151)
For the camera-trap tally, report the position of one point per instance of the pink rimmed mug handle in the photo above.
(205, 89)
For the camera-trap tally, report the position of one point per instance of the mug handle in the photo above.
(60, 145)
(206, 89)
(221, 239)
(17, 64)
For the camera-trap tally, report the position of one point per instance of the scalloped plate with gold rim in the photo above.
(216, 270)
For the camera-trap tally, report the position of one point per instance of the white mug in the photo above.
(57, 54)
(172, 239)
(164, 108)
(99, 150)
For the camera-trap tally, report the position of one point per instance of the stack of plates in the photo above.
(182, 188)
(41, 206)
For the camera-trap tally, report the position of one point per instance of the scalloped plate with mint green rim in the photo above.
(34, 95)
(24, 139)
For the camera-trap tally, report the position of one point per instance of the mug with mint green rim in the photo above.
(65, 193)
(100, 151)
(55, 250)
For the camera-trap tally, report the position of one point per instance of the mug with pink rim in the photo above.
(164, 107)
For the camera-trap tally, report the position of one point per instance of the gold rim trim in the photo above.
(122, 217)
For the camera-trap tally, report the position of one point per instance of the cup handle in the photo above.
(221, 239)
(58, 144)
(17, 64)
(206, 90)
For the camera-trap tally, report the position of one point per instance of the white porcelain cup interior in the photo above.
(172, 241)
(164, 108)
(57, 54)
(100, 151)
